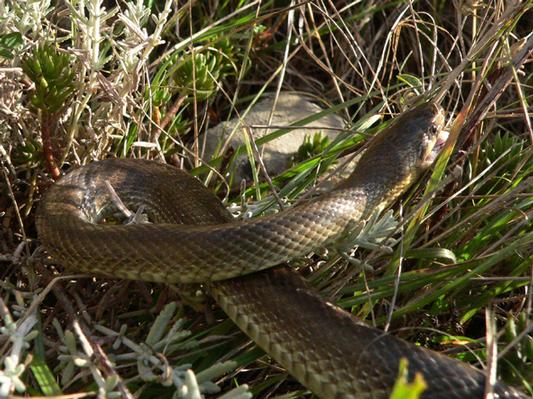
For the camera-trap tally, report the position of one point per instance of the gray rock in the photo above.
(276, 154)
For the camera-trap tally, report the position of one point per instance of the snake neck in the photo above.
(376, 184)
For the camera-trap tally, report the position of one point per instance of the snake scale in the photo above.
(194, 239)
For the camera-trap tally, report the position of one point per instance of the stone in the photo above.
(276, 154)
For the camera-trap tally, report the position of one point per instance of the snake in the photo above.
(193, 238)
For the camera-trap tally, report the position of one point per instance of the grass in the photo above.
(85, 80)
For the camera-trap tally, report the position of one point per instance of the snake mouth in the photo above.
(442, 138)
(439, 142)
(436, 138)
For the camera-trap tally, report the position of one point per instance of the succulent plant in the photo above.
(50, 70)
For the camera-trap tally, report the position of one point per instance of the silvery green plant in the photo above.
(373, 234)
(140, 15)
(165, 338)
(25, 17)
(120, 40)
(107, 385)
(116, 35)
(13, 365)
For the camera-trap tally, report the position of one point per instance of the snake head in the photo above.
(399, 154)
(416, 137)
(413, 141)
(434, 136)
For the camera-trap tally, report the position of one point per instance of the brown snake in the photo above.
(194, 239)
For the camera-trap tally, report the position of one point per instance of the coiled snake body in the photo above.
(193, 239)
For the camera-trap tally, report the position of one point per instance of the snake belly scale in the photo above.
(194, 239)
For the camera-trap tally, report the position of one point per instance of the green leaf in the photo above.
(432, 253)
(410, 80)
(9, 42)
(44, 377)
(404, 389)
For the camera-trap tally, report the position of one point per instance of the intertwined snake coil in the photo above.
(194, 239)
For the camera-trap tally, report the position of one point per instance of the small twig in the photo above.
(171, 113)
(305, 127)
(43, 293)
(14, 70)
(94, 350)
(396, 279)
(118, 202)
(17, 212)
(263, 167)
(492, 357)
(82, 331)
(133, 218)
(79, 395)
(502, 78)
